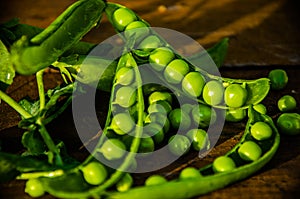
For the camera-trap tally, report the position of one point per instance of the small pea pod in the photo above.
(42, 50)
(211, 180)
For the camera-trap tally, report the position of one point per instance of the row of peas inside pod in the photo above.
(259, 137)
(179, 73)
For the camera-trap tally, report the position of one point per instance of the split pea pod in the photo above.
(181, 74)
(211, 178)
(45, 48)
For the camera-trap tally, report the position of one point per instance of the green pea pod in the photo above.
(256, 89)
(211, 181)
(64, 32)
(7, 72)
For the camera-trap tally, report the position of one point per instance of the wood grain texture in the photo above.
(264, 36)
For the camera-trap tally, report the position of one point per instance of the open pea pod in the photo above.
(256, 89)
(30, 56)
(71, 183)
(211, 181)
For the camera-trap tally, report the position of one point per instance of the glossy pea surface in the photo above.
(122, 17)
(155, 180)
(289, 123)
(149, 43)
(249, 151)
(160, 58)
(188, 173)
(286, 103)
(179, 119)
(213, 92)
(278, 78)
(223, 164)
(113, 149)
(122, 123)
(175, 71)
(235, 95)
(94, 173)
(260, 108)
(199, 138)
(160, 96)
(156, 131)
(179, 144)
(204, 115)
(235, 115)
(138, 29)
(261, 131)
(125, 76)
(146, 145)
(125, 96)
(160, 106)
(124, 183)
(34, 188)
(193, 83)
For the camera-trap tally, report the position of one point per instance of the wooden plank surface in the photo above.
(264, 35)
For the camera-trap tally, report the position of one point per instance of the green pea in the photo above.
(155, 131)
(34, 188)
(187, 108)
(204, 115)
(213, 92)
(125, 76)
(261, 131)
(113, 149)
(160, 106)
(159, 118)
(289, 123)
(122, 17)
(146, 145)
(155, 180)
(235, 95)
(179, 119)
(235, 115)
(278, 78)
(223, 164)
(193, 83)
(124, 183)
(122, 123)
(160, 57)
(249, 151)
(149, 43)
(179, 144)
(175, 71)
(160, 96)
(188, 173)
(199, 139)
(138, 28)
(125, 96)
(286, 103)
(94, 173)
(260, 108)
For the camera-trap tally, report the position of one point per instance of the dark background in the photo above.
(264, 35)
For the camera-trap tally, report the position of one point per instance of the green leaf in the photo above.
(11, 165)
(218, 53)
(34, 143)
(7, 72)
(30, 106)
(70, 185)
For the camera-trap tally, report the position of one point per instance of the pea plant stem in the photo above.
(49, 142)
(10, 101)
(40, 84)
